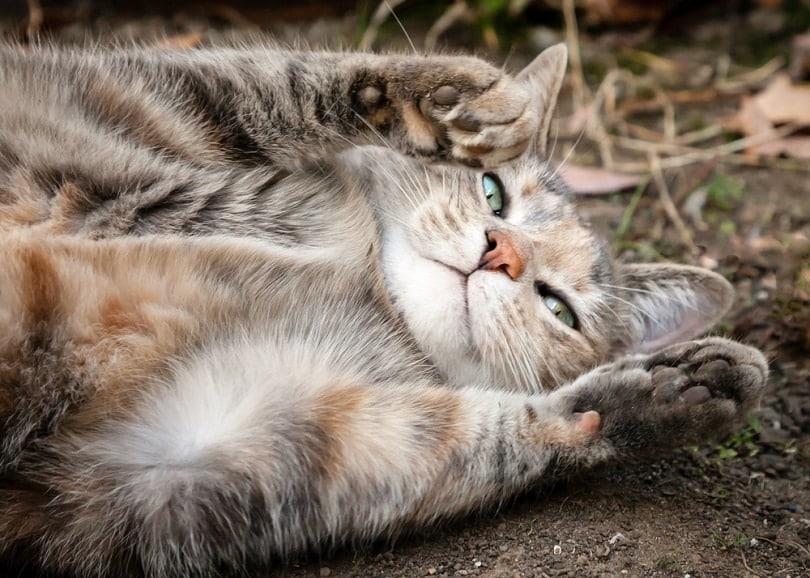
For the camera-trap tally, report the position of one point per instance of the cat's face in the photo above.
(495, 274)
(499, 280)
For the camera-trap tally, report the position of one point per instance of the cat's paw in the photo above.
(681, 395)
(481, 128)
(454, 108)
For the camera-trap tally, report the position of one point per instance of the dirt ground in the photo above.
(739, 507)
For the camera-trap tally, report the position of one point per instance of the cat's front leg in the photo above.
(646, 404)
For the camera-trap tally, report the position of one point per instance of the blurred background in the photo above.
(684, 131)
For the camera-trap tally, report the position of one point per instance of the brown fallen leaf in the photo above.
(750, 120)
(797, 147)
(596, 181)
(783, 102)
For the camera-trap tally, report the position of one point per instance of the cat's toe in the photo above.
(482, 127)
(493, 128)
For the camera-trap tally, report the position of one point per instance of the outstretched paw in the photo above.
(681, 395)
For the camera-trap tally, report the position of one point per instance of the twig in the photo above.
(801, 548)
(669, 206)
(627, 217)
(455, 12)
(747, 567)
(574, 58)
(751, 78)
(797, 165)
(699, 135)
(691, 154)
(381, 14)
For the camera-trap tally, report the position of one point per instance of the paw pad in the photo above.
(446, 95)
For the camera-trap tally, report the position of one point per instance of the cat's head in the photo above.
(503, 284)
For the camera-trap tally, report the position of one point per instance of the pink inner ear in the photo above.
(688, 329)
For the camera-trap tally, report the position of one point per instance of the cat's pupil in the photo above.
(493, 191)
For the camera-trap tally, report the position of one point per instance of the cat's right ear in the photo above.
(543, 78)
(669, 303)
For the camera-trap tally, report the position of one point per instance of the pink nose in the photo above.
(502, 255)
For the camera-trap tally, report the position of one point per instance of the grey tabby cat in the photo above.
(234, 330)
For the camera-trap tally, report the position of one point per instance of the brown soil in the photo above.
(738, 507)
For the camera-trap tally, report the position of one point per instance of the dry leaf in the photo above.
(797, 147)
(784, 102)
(750, 120)
(595, 181)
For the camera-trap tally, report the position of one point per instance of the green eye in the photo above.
(560, 309)
(556, 305)
(493, 190)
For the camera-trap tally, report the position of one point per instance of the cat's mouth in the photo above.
(463, 278)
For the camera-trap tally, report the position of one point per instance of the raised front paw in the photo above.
(455, 108)
(684, 394)
(481, 127)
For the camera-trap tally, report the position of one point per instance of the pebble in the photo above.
(616, 537)
(325, 571)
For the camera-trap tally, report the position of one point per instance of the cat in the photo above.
(257, 303)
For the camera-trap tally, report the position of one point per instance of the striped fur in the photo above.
(246, 314)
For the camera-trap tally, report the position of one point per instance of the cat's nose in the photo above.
(503, 254)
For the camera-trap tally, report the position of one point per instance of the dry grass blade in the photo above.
(381, 14)
(669, 206)
(574, 59)
(457, 11)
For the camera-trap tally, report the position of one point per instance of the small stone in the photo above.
(617, 537)
(557, 549)
(325, 571)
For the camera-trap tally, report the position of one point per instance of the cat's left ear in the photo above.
(669, 303)
(543, 78)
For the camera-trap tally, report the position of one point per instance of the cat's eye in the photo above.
(493, 191)
(557, 306)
